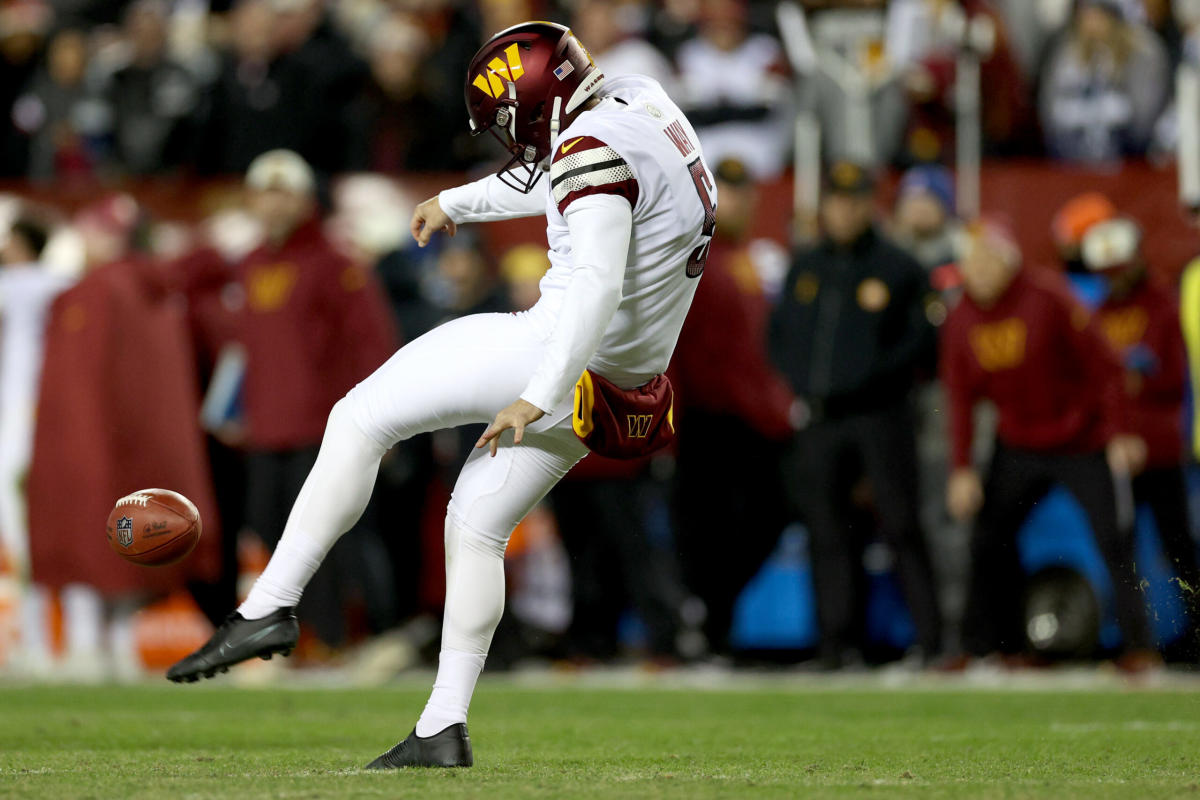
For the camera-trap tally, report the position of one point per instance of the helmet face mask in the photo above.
(524, 86)
(523, 169)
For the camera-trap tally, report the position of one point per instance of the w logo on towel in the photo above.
(639, 425)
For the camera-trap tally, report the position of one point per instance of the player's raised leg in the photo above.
(461, 372)
(491, 496)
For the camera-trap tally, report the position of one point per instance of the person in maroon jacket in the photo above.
(1018, 339)
(1140, 319)
(313, 324)
(117, 411)
(733, 409)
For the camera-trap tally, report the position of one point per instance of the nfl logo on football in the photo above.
(125, 531)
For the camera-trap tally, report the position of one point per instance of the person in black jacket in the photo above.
(850, 334)
(262, 99)
(154, 100)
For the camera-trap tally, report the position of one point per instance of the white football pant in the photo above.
(459, 373)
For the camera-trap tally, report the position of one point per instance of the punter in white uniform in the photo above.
(630, 208)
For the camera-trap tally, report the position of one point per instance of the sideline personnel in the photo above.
(1020, 340)
(849, 335)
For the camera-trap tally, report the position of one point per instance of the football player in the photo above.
(630, 211)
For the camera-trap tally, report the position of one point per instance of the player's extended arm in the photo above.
(601, 226)
(485, 200)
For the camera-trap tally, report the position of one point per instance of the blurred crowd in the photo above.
(107, 87)
(833, 383)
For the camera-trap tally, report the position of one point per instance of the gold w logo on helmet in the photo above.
(491, 82)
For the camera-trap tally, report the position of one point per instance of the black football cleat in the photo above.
(237, 640)
(450, 747)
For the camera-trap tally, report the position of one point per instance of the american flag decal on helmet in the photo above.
(564, 70)
(585, 166)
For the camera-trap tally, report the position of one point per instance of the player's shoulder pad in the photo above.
(585, 165)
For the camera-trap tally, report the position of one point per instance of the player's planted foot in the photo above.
(239, 639)
(450, 747)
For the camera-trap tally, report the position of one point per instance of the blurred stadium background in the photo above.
(180, 328)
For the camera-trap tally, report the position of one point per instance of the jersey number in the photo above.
(695, 264)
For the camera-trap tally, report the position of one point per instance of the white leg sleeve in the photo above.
(491, 496)
(332, 499)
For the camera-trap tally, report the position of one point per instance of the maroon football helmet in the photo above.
(525, 85)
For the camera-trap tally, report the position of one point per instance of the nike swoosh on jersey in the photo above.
(568, 145)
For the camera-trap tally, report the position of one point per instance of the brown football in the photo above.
(153, 527)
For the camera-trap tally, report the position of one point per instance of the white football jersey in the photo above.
(637, 144)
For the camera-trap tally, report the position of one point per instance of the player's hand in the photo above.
(1126, 454)
(516, 416)
(427, 219)
(964, 494)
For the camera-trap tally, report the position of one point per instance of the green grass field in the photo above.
(772, 741)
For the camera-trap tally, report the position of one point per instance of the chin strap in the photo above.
(555, 120)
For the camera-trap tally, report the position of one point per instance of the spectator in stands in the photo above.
(313, 325)
(849, 334)
(924, 222)
(1020, 340)
(733, 85)
(22, 30)
(1140, 319)
(397, 123)
(1104, 85)
(925, 38)
(674, 22)
(306, 32)
(732, 407)
(262, 99)
(469, 283)
(153, 101)
(65, 121)
(609, 30)
(404, 275)
(454, 36)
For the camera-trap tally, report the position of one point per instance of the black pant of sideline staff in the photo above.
(994, 619)
(616, 565)
(729, 511)
(1165, 491)
(826, 460)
